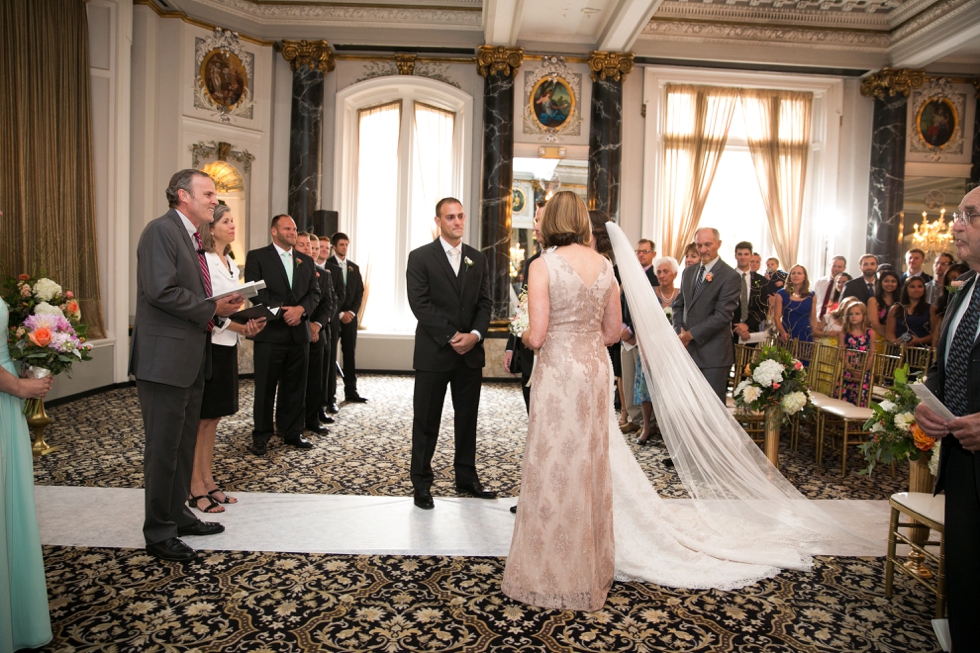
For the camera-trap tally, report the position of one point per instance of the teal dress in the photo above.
(24, 620)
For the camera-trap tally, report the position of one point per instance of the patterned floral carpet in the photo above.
(124, 601)
(100, 441)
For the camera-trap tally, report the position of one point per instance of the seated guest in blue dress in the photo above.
(793, 307)
(908, 319)
(24, 620)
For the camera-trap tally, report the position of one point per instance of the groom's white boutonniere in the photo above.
(467, 261)
(350, 268)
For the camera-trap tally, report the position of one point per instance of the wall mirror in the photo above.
(927, 210)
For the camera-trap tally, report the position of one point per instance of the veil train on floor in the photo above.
(744, 520)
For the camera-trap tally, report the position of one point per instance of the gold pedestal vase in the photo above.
(920, 480)
(770, 443)
(38, 420)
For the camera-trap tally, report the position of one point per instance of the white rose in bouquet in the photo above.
(888, 406)
(793, 402)
(768, 372)
(751, 393)
(46, 290)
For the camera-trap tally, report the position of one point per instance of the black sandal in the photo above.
(228, 500)
(210, 509)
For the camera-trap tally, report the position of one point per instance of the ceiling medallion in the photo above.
(610, 65)
(316, 55)
(892, 81)
(224, 78)
(491, 59)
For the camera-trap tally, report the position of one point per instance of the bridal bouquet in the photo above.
(894, 433)
(45, 329)
(519, 323)
(775, 380)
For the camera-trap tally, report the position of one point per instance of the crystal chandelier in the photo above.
(933, 237)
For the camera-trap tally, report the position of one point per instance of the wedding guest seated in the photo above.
(691, 255)
(886, 294)
(221, 390)
(937, 311)
(939, 267)
(793, 307)
(908, 320)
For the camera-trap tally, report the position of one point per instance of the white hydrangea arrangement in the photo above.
(775, 380)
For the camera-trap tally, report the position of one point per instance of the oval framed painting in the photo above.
(552, 102)
(519, 201)
(936, 122)
(224, 76)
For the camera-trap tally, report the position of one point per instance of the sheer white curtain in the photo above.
(432, 169)
(378, 131)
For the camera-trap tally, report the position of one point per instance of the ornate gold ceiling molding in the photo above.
(610, 65)
(406, 63)
(491, 59)
(313, 54)
(789, 16)
(892, 81)
(714, 32)
(197, 23)
(346, 13)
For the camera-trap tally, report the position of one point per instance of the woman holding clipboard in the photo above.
(221, 390)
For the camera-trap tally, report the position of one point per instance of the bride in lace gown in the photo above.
(743, 521)
(562, 553)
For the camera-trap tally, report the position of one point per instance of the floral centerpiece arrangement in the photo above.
(45, 329)
(894, 433)
(519, 323)
(775, 380)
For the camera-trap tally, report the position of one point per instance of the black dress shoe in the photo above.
(668, 462)
(257, 448)
(171, 549)
(326, 419)
(476, 490)
(300, 442)
(201, 528)
(319, 428)
(355, 399)
(332, 408)
(513, 509)
(423, 500)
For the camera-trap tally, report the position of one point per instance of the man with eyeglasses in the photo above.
(955, 379)
(646, 251)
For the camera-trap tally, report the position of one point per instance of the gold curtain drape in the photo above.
(696, 130)
(777, 124)
(47, 190)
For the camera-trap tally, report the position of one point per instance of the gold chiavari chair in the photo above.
(847, 418)
(752, 423)
(883, 368)
(919, 359)
(805, 352)
(824, 377)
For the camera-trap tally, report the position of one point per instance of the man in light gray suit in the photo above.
(704, 309)
(170, 358)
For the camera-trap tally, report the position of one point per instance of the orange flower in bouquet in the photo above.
(41, 336)
(922, 441)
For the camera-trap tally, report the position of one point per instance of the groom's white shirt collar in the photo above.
(446, 247)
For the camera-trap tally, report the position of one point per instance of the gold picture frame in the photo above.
(936, 122)
(552, 103)
(224, 78)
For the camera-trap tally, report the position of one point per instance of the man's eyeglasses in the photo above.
(643, 251)
(966, 217)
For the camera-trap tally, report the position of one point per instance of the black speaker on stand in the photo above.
(325, 223)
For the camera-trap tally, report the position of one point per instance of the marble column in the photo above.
(498, 67)
(975, 171)
(310, 62)
(890, 89)
(608, 69)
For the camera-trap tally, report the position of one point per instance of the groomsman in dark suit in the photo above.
(864, 286)
(955, 380)
(753, 297)
(319, 334)
(282, 349)
(351, 304)
(329, 377)
(449, 292)
(704, 310)
(171, 357)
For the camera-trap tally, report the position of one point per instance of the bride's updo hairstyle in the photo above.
(565, 221)
(599, 234)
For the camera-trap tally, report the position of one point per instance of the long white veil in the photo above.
(744, 520)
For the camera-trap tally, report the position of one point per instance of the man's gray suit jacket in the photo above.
(172, 310)
(708, 314)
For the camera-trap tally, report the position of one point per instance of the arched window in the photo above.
(403, 143)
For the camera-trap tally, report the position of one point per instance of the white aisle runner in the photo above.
(321, 523)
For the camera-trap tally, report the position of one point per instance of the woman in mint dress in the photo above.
(24, 620)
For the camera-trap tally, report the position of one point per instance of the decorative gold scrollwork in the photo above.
(491, 59)
(892, 81)
(314, 54)
(610, 65)
(406, 63)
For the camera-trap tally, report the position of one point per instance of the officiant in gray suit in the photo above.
(171, 357)
(704, 309)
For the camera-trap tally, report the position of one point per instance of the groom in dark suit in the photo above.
(704, 310)
(171, 357)
(449, 292)
(955, 380)
(282, 348)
